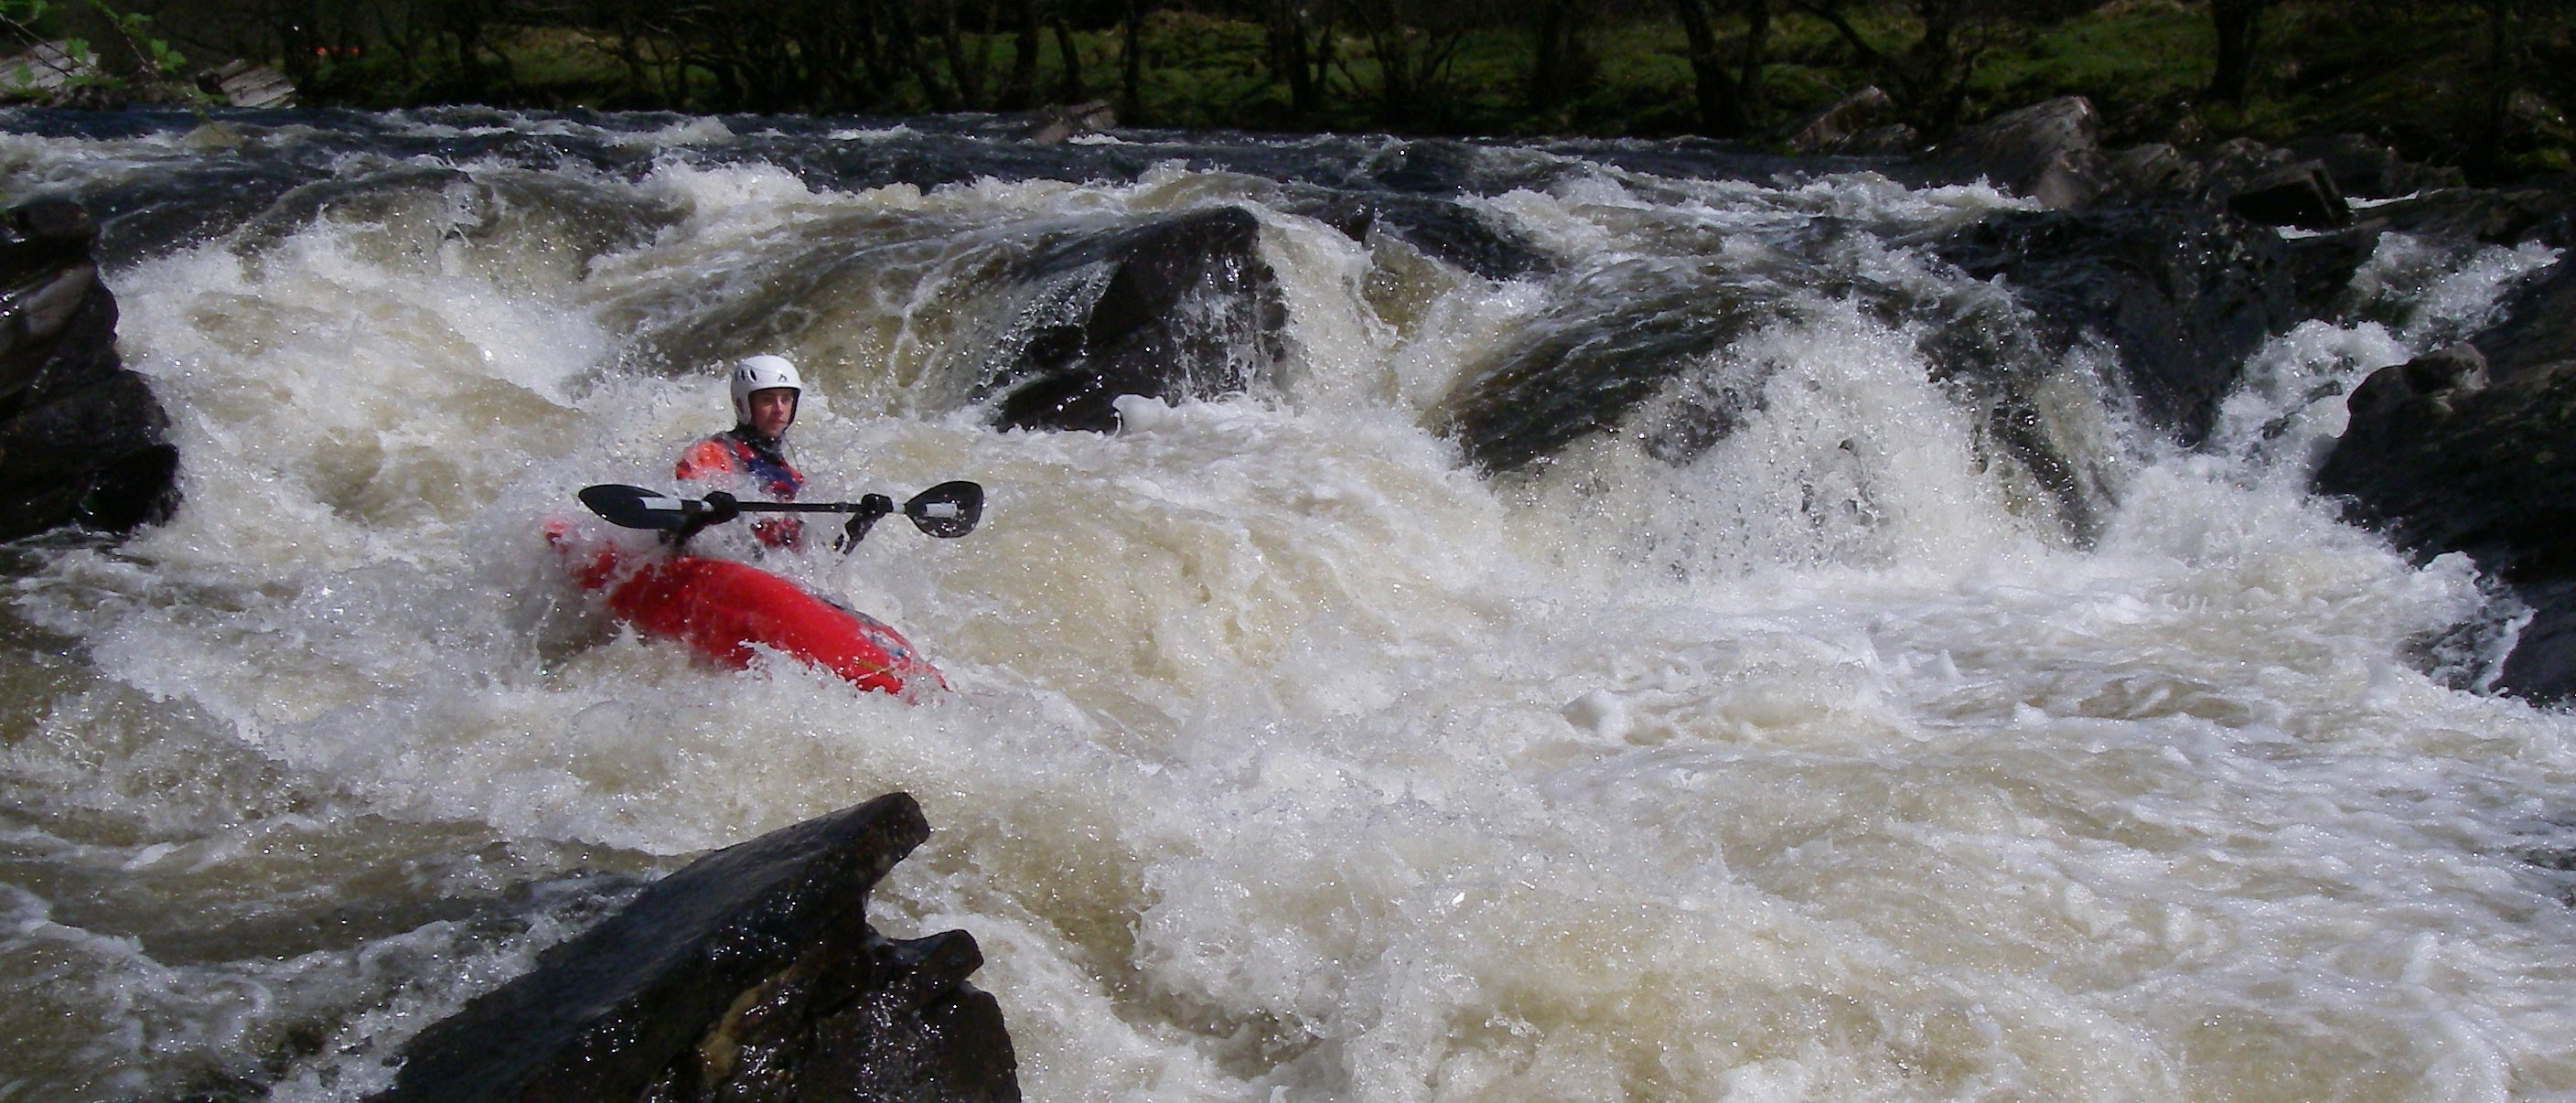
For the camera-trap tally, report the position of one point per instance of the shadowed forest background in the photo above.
(2484, 85)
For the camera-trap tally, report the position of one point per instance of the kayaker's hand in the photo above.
(871, 507)
(721, 507)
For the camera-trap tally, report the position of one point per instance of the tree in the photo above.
(1297, 45)
(1728, 99)
(1411, 45)
(96, 46)
(1929, 77)
(1561, 62)
(2239, 25)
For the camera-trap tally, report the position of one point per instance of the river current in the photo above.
(1288, 756)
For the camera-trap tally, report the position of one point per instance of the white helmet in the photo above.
(761, 373)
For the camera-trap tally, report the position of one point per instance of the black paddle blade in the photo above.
(947, 510)
(635, 507)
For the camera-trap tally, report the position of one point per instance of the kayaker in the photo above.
(751, 457)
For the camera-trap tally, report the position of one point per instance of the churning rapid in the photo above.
(1798, 739)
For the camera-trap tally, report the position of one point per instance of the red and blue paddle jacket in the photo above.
(739, 454)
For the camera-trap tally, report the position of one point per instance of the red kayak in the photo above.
(725, 611)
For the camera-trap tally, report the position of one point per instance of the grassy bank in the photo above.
(2486, 84)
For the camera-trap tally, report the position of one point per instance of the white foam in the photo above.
(1288, 758)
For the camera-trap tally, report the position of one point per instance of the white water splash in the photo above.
(1287, 759)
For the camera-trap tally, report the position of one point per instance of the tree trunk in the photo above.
(1021, 89)
(1131, 60)
(2239, 26)
(1721, 110)
(2485, 156)
(1288, 41)
(1069, 55)
(1757, 44)
(1556, 55)
(967, 76)
(905, 46)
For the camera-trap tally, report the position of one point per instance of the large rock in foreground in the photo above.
(2444, 461)
(749, 975)
(2184, 294)
(81, 437)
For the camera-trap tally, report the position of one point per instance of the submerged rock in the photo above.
(1183, 307)
(751, 974)
(82, 440)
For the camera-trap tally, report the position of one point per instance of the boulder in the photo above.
(2443, 461)
(2151, 171)
(2302, 195)
(1183, 307)
(2370, 169)
(1442, 228)
(245, 84)
(2538, 330)
(2182, 293)
(1609, 344)
(749, 975)
(1864, 122)
(2049, 152)
(1057, 124)
(82, 440)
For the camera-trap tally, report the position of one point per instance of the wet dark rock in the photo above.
(1433, 166)
(2443, 461)
(2369, 169)
(2403, 401)
(2539, 327)
(1708, 159)
(2540, 210)
(2050, 152)
(1184, 307)
(580, 218)
(82, 440)
(2302, 195)
(1057, 124)
(1864, 122)
(2183, 294)
(2467, 450)
(1616, 339)
(1889, 140)
(749, 975)
(2230, 165)
(1446, 230)
(2144, 173)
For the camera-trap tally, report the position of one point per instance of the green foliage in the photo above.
(135, 29)
(2142, 64)
(33, 22)
(2426, 76)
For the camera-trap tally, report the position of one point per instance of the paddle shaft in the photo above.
(947, 510)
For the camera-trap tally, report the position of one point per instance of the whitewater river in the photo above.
(1289, 757)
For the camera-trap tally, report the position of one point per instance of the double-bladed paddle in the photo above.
(948, 510)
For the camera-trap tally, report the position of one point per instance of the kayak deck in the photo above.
(727, 612)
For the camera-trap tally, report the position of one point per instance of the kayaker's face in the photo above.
(773, 410)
